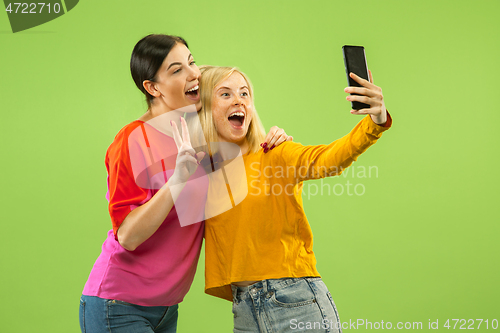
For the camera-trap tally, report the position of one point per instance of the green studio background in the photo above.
(417, 242)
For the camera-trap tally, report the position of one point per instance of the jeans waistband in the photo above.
(265, 286)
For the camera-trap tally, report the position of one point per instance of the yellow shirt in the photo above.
(267, 235)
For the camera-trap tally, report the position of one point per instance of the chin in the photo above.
(239, 140)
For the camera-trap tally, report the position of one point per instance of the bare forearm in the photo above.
(142, 222)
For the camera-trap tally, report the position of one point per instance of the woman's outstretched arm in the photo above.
(313, 162)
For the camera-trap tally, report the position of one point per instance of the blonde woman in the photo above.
(259, 254)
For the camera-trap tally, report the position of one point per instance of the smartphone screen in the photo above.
(355, 61)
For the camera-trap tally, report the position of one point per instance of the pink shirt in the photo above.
(159, 272)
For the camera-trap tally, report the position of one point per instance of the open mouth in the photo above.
(193, 93)
(236, 119)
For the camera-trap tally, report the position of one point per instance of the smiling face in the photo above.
(232, 109)
(177, 80)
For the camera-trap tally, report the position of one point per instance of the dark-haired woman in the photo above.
(148, 260)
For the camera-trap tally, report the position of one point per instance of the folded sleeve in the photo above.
(314, 162)
(124, 194)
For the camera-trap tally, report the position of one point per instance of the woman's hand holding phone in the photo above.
(369, 94)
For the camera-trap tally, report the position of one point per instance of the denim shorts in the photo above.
(285, 305)
(107, 315)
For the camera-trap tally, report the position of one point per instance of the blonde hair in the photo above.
(211, 76)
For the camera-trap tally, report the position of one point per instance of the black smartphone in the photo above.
(355, 62)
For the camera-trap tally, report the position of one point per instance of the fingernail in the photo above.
(264, 145)
(266, 150)
(273, 146)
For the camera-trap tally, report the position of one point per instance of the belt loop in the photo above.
(265, 286)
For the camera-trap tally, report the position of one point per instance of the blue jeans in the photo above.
(106, 315)
(285, 305)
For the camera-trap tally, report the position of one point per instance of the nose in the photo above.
(194, 74)
(238, 100)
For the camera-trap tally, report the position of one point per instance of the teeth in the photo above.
(241, 114)
(193, 89)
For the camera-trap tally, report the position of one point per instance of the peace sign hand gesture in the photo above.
(187, 159)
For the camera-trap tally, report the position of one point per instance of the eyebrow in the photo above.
(242, 87)
(178, 63)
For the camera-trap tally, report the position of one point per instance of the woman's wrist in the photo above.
(381, 119)
(175, 186)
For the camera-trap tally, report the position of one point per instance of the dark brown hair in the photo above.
(147, 57)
